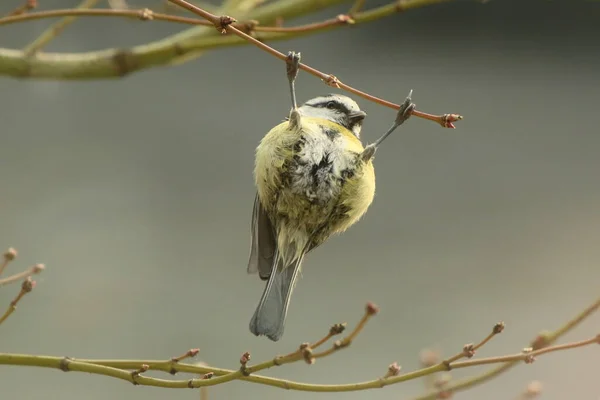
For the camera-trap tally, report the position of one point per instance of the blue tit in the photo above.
(314, 179)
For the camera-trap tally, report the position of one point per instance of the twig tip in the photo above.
(371, 309)
(28, 285)
(245, 358)
(10, 254)
(393, 370)
(498, 328)
(37, 268)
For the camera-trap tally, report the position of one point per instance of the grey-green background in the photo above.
(137, 194)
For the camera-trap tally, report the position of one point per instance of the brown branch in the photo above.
(224, 24)
(470, 349)
(144, 14)
(22, 9)
(188, 354)
(187, 45)
(147, 14)
(341, 19)
(370, 311)
(528, 355)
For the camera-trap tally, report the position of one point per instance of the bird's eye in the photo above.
(330, 105)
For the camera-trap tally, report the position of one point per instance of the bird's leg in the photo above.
(292, 66)
(404, 113)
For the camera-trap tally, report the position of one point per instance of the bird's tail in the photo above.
(270, 314)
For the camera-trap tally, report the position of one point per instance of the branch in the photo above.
(27, 285)
(9, 255)
(24, 8)
(181, 47)
(55, 30)
(132, 370)
(36, 269)
(144, 14)
(542, 340)
(224, 23)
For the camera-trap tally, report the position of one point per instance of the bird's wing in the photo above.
(264, 245)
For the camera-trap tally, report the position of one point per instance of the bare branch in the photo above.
(26, 287)
(224, 23)
(36, 269)
(181, 47)
(8, 256)
(25, 7)
(124, 369)
(540, 341)
(55, 30)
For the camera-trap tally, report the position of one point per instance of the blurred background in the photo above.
(137, 195)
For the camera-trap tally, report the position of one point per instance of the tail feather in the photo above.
(269, 317)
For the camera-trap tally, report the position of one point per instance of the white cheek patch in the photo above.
(320, 112)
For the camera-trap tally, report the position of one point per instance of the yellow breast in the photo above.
(280, 146)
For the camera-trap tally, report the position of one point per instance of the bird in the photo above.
(313, 179)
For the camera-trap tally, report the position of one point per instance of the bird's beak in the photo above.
(357, 116)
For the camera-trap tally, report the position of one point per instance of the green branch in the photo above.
(183, 46)
(131, 370)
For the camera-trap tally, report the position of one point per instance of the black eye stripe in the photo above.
(337, 106)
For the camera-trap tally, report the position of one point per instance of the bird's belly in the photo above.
(306, 184)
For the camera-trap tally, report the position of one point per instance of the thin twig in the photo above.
(121, 369)
(336, 329)
(184, 46)
(224, 24)
(36, 269)
(549, 338)
(55, 29)
(26, 287)
(247, 26)
(22, 9)
(8, 256)
(188, 354)
(527, 356)
(144, 14)
(470, 349)
(356, 7)
(370, 311)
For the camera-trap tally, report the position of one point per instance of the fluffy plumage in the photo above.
(311, 183)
